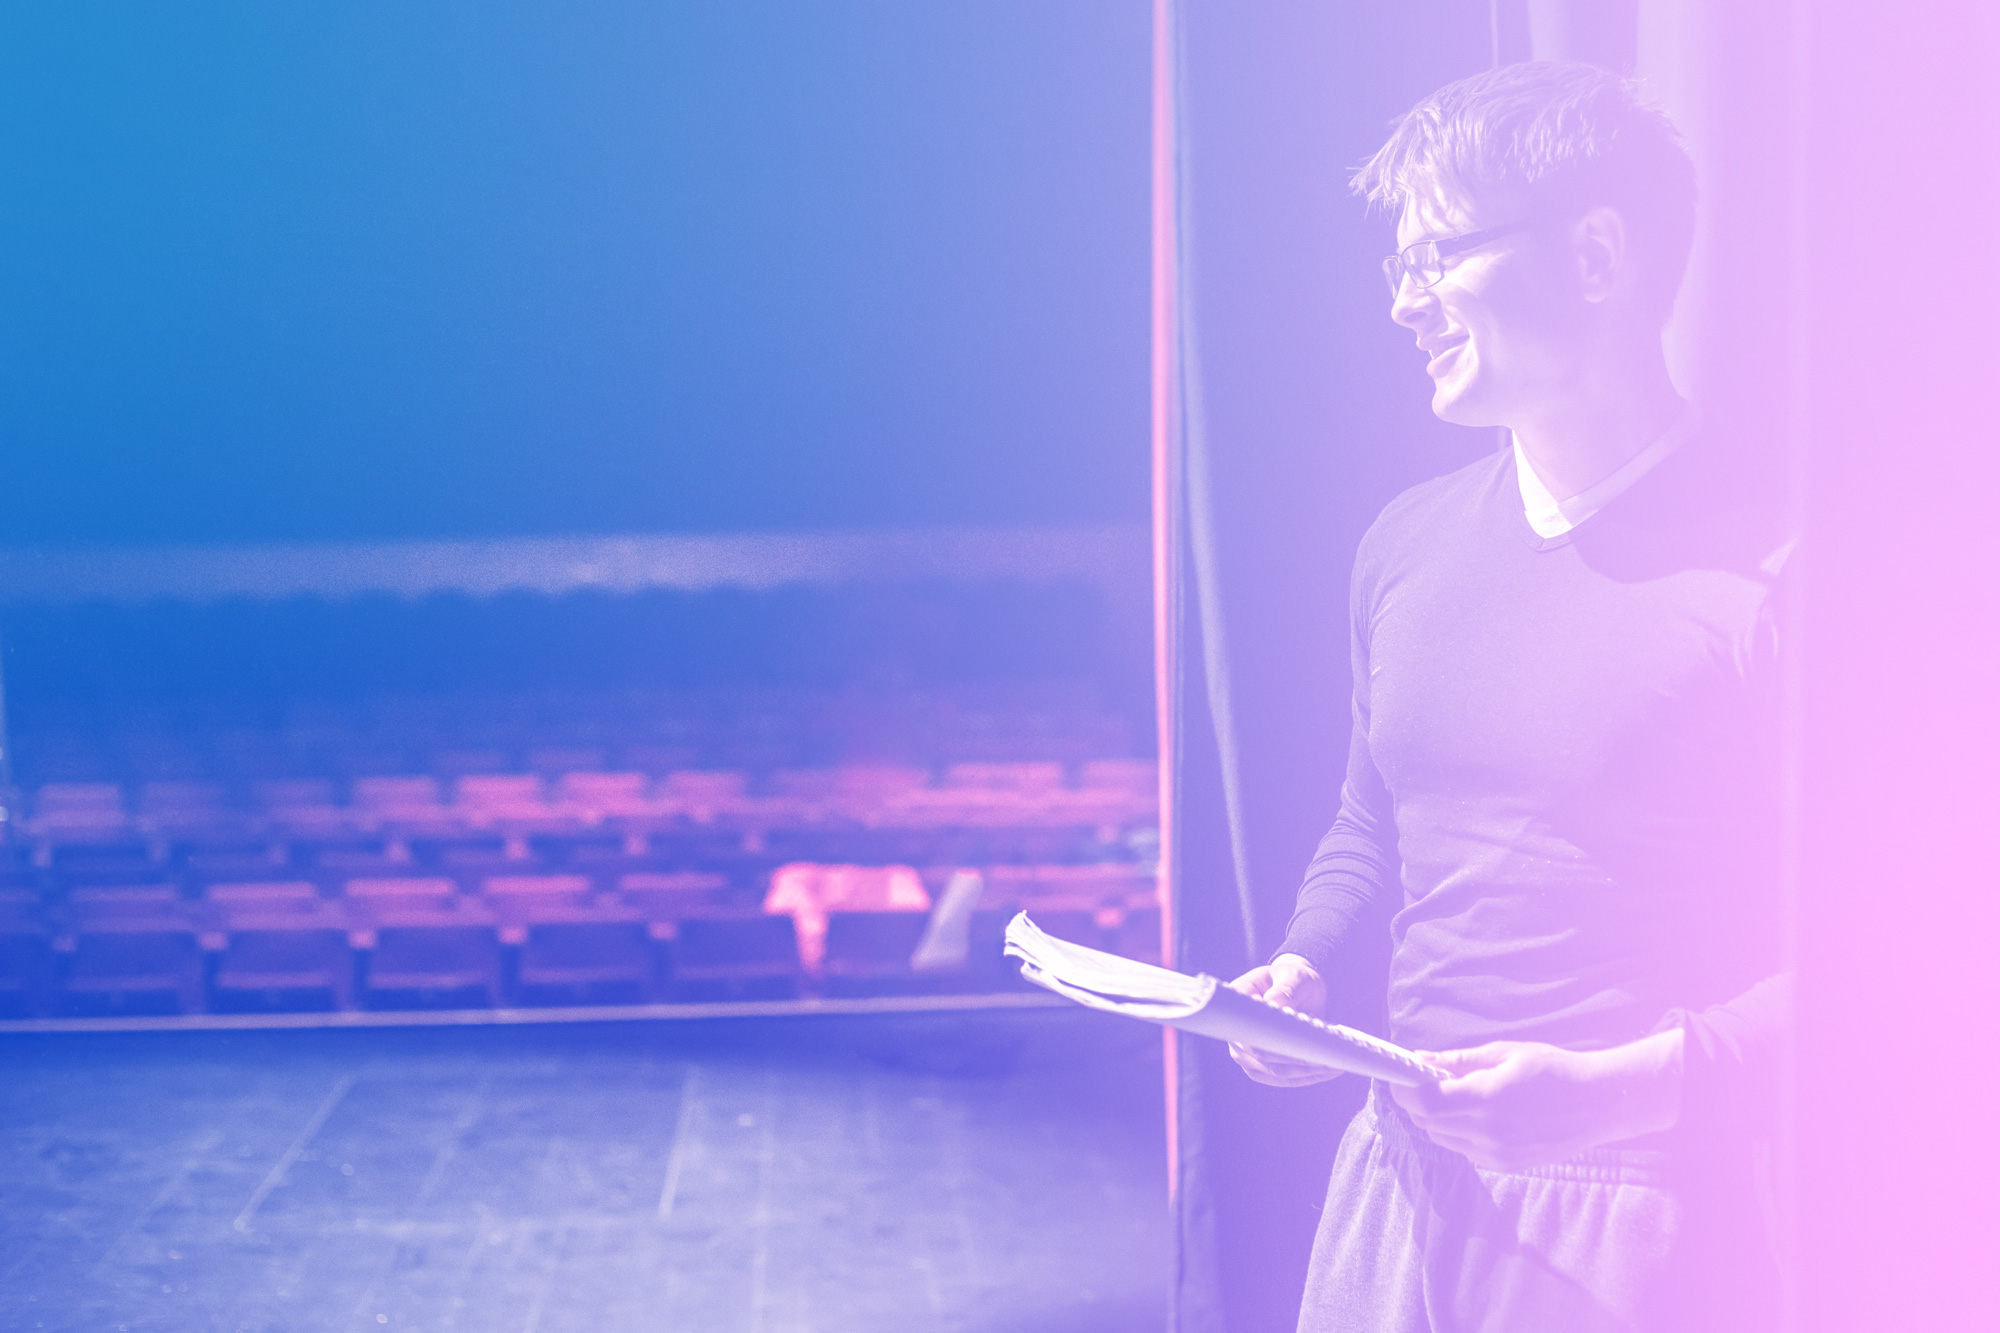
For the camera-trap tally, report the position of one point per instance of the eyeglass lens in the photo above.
(1420, 262)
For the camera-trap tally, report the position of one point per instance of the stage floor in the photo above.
(989, 1172)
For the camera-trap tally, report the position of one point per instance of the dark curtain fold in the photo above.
(1302, 410)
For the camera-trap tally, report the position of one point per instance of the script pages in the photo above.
(1201, 1004)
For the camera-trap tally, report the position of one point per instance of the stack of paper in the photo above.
(1203, 1005)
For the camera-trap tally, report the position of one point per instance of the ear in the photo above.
(1599, 244)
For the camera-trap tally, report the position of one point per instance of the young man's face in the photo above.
(1503, 328)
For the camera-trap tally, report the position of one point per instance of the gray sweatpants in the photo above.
(1414, 1239)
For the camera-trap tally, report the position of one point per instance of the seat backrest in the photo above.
(1103, 884)
(405, 892)
(264, 895)
(79, 797)
(152, 900)
(136, 945)
(498, 789)
(813, 889)
(177, 796)
(388, 793)
(596, 790)
(1025, 777)
(724, 941)
(881, 938)
(858, 778)
(665, 895)
(1135, 775)
(275, 939)
(536, 890)
(698, 784)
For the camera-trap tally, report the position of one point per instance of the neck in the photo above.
(1580, 440)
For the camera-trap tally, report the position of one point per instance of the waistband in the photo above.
(1603, 1166)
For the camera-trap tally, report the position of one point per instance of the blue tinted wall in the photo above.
(484, 267)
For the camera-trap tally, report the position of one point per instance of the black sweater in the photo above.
(1567, 747)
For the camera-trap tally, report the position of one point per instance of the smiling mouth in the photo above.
(1452, 346)
(1444, 350)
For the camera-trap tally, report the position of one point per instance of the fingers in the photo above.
(1464, 1062)
(1276, 1070)
(1422, 1102)
(1254, 983)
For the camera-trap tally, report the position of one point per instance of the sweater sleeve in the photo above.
(1731, 1051)
(1729, 1059)
(1352, 882)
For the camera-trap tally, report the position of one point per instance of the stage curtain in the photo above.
(1298, 411)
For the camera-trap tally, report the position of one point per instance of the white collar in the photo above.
(1550, 517)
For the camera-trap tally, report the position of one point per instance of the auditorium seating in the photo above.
(117, 961)
(552, 938)
(432, 956)
(810, 894)
(588, 953)
(740, 955)
(494, 851)
(283, 960)
(866, 951)
(27, 966)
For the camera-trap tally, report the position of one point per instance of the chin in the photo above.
(1459, 404)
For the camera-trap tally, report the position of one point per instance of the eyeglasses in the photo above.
(1423, 263)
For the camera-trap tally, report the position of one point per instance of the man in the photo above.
(1559, 791)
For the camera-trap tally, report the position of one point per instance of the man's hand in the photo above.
(1288, 980)
(1511, 1105)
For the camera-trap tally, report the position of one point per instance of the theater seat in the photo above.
(182, 798)
(526, 896)
(399, 794)
(424, 958)
(505, 790)
(1132, 775)
(263, 898)
(113, 961)
(871, 950)
(111, 902)
(736, 955)
(202, 868)
(670, 895)
(807, 892)
(383, 896)
(102, 798)
(275, 959)
(604, 793)
(27, 966)
(583, 951)
(1021, 777)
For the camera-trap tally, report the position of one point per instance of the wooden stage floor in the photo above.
(991, 1172)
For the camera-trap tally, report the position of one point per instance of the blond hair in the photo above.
(1562, 138)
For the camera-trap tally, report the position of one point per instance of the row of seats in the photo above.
(420, 941)
(596, 823)
(596, 789)
(639, 730)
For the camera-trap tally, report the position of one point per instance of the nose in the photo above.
(1411, 305)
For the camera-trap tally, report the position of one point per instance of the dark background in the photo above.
(494, 267)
